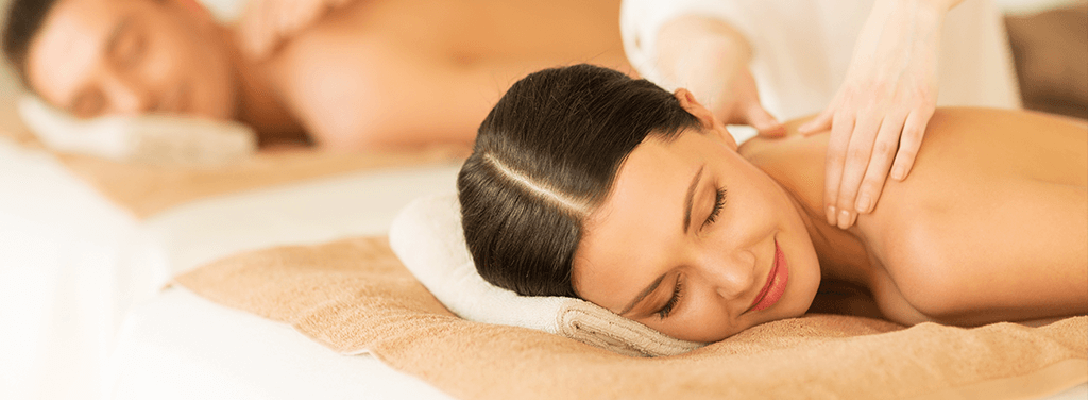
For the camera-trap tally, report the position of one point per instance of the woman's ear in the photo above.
(710, 123)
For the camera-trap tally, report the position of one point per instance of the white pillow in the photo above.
(428, 239)
(143, 139)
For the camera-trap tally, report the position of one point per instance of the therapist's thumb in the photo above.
(764, 122)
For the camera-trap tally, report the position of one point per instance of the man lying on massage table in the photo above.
(342, 74)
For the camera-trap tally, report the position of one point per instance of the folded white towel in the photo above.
(143, 139)
(428, 239)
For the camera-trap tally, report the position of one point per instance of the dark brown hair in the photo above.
(24, 21)
(545, 157)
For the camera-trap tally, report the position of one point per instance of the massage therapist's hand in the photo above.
(879, 114)
(710, 58)
(266, 23)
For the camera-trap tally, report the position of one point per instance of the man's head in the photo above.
(97, 57)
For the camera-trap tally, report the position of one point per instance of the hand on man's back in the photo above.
(265, 24)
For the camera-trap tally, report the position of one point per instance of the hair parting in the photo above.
(544, 159)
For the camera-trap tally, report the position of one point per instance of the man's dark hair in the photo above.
(24, 21)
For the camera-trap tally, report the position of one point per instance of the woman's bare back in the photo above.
(991, 225)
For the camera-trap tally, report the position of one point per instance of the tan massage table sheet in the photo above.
(354, 295)
(146, 190)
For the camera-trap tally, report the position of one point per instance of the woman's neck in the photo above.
(841, 253)
(796, 163)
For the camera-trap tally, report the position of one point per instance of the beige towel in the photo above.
(147, 190)
(354, 296)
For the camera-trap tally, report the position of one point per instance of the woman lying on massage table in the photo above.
(586, 183)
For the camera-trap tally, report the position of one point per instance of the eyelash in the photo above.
(133, 50)
(671, 304)
(678, 292)
(719, 202)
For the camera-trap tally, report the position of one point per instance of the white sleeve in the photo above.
(640, 21)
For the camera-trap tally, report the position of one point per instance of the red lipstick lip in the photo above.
(776, 283)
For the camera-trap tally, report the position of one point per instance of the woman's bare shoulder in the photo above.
(961, 144)
(991, 223)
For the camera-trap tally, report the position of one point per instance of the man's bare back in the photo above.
(391, 73)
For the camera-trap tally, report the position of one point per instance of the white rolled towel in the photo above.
(143, 139)
(428, 239)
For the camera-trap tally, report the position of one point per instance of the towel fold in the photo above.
(354, 295)
(145, 190)
(141, 139)
(428, 238)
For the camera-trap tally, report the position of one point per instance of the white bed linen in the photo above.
(73, 264)
(184, 346)
(181, 346)
(167, 344)
(63, 277)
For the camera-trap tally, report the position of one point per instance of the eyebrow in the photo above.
(690, 197)
(645, 292)
(115, 35)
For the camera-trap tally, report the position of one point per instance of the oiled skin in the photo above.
(991, 225)
(394, 73)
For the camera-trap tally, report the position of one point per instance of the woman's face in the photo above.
(695, 242)
(98, 57)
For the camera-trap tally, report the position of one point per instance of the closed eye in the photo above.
(670, 305)
(719, 203)
(128, 45)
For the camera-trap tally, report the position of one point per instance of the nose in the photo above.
(734, 275)
(127, 96)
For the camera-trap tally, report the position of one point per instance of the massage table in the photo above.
(77, 261)
(80, 293)
(182, 346)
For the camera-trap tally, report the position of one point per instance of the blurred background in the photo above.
(1016, 9)
(1049, 40)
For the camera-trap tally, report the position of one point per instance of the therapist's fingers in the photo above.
(299, 15)
(257, 28)
(836, 159)
(858, 154)
(819, 124)
(266, 23)
(913, 130)
(764, 122)
(887, 141)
